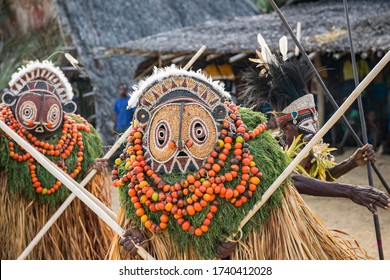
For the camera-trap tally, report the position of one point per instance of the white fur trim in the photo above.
(163, 73)
(46, 67)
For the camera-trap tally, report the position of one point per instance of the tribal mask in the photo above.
(39, 96)
(182, 111)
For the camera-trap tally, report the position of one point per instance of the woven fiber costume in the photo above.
(193, 168)
(39, 108)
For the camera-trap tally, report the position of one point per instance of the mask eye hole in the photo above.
(28, 111)
(199, 132)
(162, 135)
(54, 115)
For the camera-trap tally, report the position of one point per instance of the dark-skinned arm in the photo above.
(362, 195)
(359, 158)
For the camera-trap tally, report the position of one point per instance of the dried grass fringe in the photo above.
(78, 234)
(292, 232)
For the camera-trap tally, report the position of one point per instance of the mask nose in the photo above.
(182, 154)
(39, 129)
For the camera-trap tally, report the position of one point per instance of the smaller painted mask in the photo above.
(37, 99)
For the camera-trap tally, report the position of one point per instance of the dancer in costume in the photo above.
(283, 84)
(194, 166)
(39, 108)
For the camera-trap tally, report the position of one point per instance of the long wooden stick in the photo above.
(195, 57)
(327, 92)
(90, 175)
(70, 184)
(71, 197)
(317, 137)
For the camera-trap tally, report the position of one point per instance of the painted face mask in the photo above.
(308, 126)
(182, 116)
(39, 96)
(302, 114)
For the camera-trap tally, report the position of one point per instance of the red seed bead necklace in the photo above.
(198, 190)
(71, 136)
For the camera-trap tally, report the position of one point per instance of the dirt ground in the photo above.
(344, 215)
(357, 221)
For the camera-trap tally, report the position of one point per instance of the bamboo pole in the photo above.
(89, 176)
(70, 184)
(72, 196)
(317, 137)
(195, 57)
(327, 92)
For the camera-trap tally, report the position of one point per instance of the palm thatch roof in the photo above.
(323, 29)
(100, 23)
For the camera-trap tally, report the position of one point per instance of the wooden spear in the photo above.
(71, 184)
(72, 196)
(195, 57)
(327, 92)
(317, 137)
(90, 175)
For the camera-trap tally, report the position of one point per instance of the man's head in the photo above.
(122, 89)
(300, 117)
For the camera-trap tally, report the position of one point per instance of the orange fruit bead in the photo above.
(213, 209)
(190, 179)
(140, 212)
(246, 161)
(229, 193)
(254, 180)
(216, 167)
(206, 222)
(190, 210)
(164, 218)
(163, 225)
(245, 169)
(185, 225)
(211, 173)
(198, 232)
(197, 207)
(171, 145)
(204, 228)
(228, 146)
(168, 207)
(238, 203)
(229, 177)
(240, 188)
(228, 139)
(148, 224)
(137, 205)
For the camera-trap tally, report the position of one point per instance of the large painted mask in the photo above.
(39, 96)
(182, 115)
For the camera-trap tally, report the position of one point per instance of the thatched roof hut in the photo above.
(98, 23)
(323, 29)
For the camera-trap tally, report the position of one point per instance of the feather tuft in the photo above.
(283, 46)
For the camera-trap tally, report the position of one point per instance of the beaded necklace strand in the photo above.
(198, 190)
(71, 136)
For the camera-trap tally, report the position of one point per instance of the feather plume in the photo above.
(283, 46)
(277, 82)
(265, 51)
